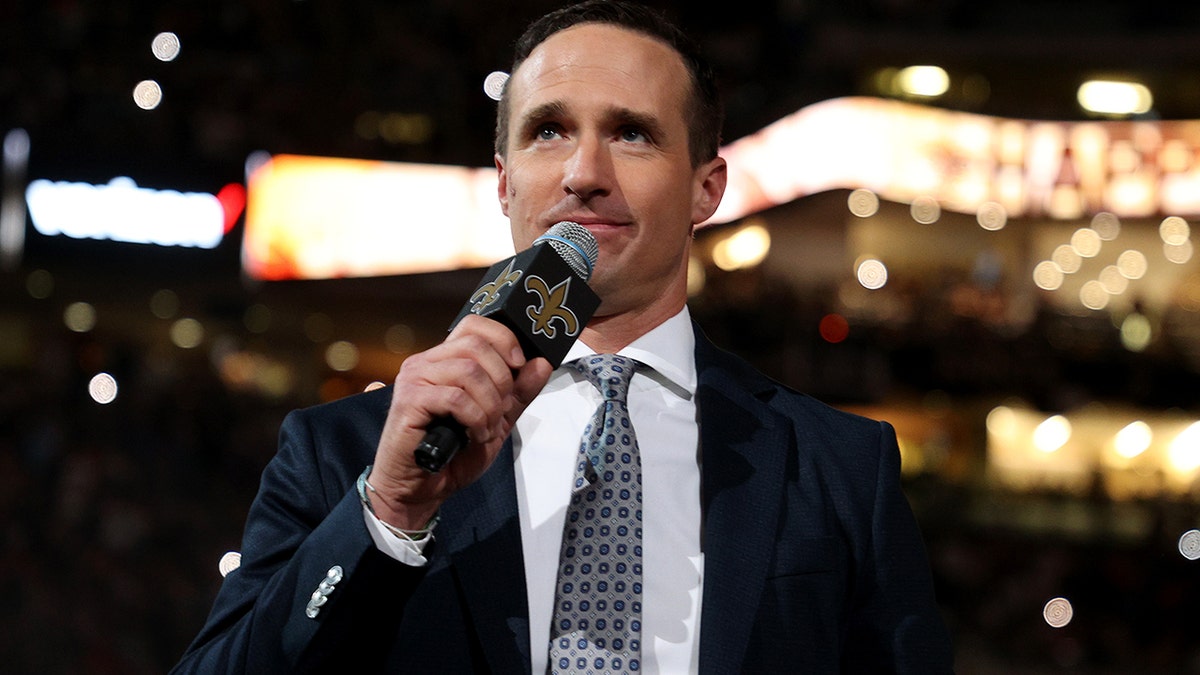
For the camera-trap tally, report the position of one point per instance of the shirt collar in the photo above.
(669, 350)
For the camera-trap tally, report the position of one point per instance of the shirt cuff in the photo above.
(395, 546)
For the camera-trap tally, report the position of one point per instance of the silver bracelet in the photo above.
(362, 485)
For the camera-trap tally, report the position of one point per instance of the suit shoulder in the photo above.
(799, 404)
(807, 413)
(357, 419)
(362, 405)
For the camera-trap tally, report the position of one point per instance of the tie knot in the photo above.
(609, 373)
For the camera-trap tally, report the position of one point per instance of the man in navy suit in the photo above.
(776, 537)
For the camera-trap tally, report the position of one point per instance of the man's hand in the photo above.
(478, 376)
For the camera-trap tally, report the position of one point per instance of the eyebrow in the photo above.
(614, 116)
(623, 117)
(540, 114)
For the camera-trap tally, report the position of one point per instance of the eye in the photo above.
(547, 132)
(634, 135)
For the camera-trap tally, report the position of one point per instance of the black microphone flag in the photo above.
(541, 295)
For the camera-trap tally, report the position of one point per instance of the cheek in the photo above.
(670, 199)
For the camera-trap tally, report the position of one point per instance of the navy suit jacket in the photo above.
(813, 560)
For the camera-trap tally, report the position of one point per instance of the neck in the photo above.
(612, 333)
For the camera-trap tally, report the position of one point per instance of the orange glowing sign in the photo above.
(318, 217)
(905, 152)
(310, 217)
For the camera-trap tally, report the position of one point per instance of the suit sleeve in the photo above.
(895, 623)
(304, 535)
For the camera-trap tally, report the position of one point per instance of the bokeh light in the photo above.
(1184, 453)
(147, 94)
(1111, 97)
(1067, 259)
(165, 46)
(39, 284)
(746, 247)
(1047, 275)
(991, 216)
(80, 317)
(925, 210)
(863, 203)
(229, 562)
(399, 338)
(696, 277)
(1132, 264)
(1189, 545)
(164, 304)
(1086, 242)
(872, 274)
(1178, 253)
(1001, 421)
(1112, 280)
(1106, 225)
(1136, 332)
(341, 356)
(1058, 612)
(1093, 295)
(103, 388)
(834, 328)
(1052, 434)
(1133, 439)
(1174, 230)
(493, 84)
(187, 333)
(923, 81)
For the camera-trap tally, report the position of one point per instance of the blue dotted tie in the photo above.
(597, 620)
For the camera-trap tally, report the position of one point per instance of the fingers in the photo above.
(478, 376)
(493, 333)
(531, 379)
(468, 377)
(469, 389)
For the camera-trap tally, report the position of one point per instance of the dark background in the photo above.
(114, 516)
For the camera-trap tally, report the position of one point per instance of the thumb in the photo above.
(530, 380)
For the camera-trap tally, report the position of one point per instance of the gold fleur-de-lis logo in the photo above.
(489, 293)
(553, 306)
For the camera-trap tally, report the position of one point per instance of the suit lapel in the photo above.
(485, 554)
(743, 446)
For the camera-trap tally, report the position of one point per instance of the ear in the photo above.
(708, 188)
(501, 183)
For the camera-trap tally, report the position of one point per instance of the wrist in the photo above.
(413, 521)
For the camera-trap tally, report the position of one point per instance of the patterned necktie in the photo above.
(597, 620)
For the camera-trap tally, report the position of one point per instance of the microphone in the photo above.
(541, 295)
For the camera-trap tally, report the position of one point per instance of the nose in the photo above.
(588, 172)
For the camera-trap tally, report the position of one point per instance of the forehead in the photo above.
(603, 63)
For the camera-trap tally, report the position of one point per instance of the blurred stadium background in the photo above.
(1047, 404)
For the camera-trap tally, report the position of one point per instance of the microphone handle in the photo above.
(444, 437)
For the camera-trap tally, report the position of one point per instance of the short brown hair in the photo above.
(705, 114)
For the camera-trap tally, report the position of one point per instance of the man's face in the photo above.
(598, 135)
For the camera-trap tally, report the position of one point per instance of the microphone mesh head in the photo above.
(574, 244)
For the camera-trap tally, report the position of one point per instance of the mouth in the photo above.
(598, 226)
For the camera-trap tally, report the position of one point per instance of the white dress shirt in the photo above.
(546, 440)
